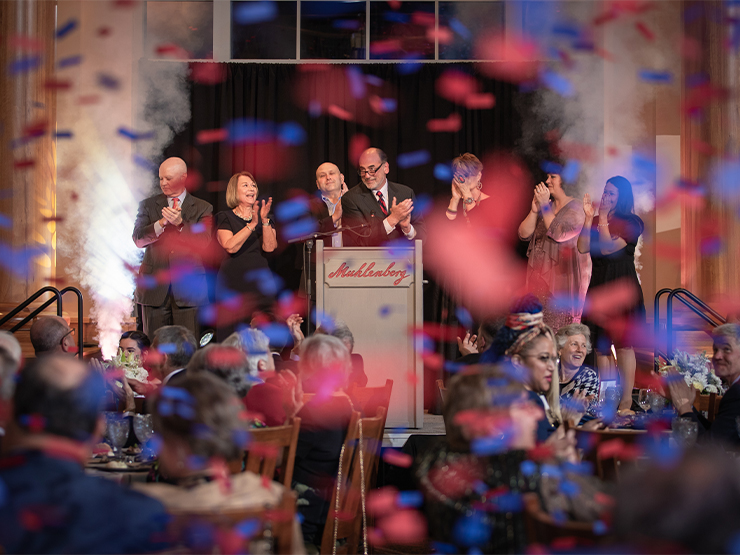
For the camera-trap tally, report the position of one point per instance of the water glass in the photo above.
(657, 402)
(643, 399)
(143, 427)
(685, 431)
(118, 433)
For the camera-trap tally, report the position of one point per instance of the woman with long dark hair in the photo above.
(611, 237)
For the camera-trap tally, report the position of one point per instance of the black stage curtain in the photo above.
(278, 96)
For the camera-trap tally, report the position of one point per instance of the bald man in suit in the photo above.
(173, 227)
(387, 208)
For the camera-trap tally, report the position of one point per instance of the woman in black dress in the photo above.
(245, 282)
(611, 240)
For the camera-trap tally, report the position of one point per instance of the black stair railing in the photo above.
(57, 297)
(693, 303)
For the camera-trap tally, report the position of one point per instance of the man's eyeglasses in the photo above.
(371, 170)
(70, 332)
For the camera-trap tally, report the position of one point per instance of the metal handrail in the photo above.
(56, 298)
(700, 308)
(656, 320)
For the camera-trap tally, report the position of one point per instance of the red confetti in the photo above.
(87, 99)
(24, 163)
(690, 48)
(30, 520)
(104, 31)
(266, 482)
(338, 112)
(211, 136)
(207, 73)
(193, 181)
(382, 501)
(58, 84)
(645, 31)
(443, 35)
(358, 144)
(57, 219)
(450, 124)
(404, 527)
(395, 4)
(25, 43)
(609, 15)
(516, 59)
(396, 458)
(381, 47)
(455, 85)
(424, 19)
(481, 101)
(173, 51)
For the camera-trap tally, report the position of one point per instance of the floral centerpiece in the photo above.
(131, 366)
(696, 370)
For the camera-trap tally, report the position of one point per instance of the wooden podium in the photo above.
(377, 291)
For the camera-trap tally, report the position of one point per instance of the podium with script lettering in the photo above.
(377, 291)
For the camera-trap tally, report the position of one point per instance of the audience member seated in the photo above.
(529, 344)
(686, 506)
(171, 351)
(10, 361)
(256, 346)
(226, 363)
(473, 481)
(574, 343)
(323, 369)
(472, 347)
(52, 334)
(202, 428)
(49, 504)
(341, 331)
(136, 343)
(726, 363)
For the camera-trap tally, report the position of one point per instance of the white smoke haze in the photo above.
(97, 166)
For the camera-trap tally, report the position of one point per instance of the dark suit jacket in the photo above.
(359, 206)
(723, 429)
(77, 513)
(174, 249)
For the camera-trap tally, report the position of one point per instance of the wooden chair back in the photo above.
(542, 529)
(370, 399)
(277, 521)
(608, 462)
(356, 462)
(708, 404)
(270, 449)
(442, 390)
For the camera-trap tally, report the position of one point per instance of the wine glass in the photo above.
(643, 399)
(657, 402)
(118, 433)
(685, 431)
(143, 427)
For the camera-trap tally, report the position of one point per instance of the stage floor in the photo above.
(433, 426)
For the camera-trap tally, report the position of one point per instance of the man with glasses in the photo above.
(386, 207)
(52, 335)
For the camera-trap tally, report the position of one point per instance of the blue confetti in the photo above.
(696, 80)
(407, 68)
(446, 548)
(69, 61)
(167, 348)
(356, 82)
(464, 317)
(644, 166)
(145, 163)
(291, 209)
(291, 133)
(241, 437)
(247, 13)
(165, 408)
(66, 28)
(268, 283)
(249, 528)
(528, 468)
(314, 108)
(600, 528)
(133, 135)
(397, 17)
(374, 80)
(558, 83)
(483, 446)
(389, 104)
(196, 462)
(413, 159)
(656, 77)
(24, 64)
(63, 134)
(551, 167)
(176, 393)
(566, 29)
(19, 261)
(423, 204)
(199, 227)
(552, 470)
(154, 444)
(409, 499)
(443, 172)
(470, 530)
(510, 502)
(250, 131)
(346, 24)
(385, 311)
(460, 29)
(5, 221)
(108, 81)
(278, 334)
(570, 171)
(569, 488)
(301, 228)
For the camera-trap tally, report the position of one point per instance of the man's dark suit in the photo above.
(724, 428)
(175, 250)
(360, 206)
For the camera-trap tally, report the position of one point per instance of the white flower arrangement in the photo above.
(696, 371)
(131, 365)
